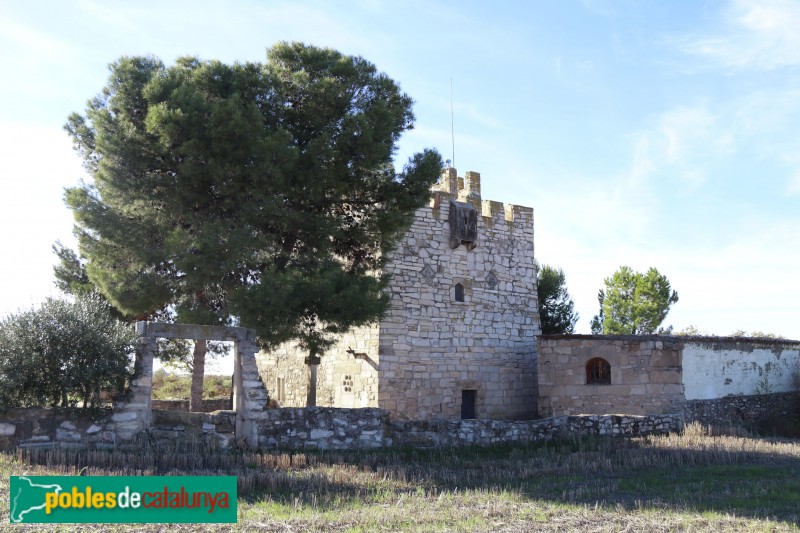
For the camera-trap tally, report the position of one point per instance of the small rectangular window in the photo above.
(468, 398)
(459, 292)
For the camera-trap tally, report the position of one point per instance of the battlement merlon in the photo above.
(464, 189)
(468, 190)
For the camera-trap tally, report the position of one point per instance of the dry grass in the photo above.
(696, 481)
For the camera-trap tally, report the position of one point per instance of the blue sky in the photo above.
(645, 134)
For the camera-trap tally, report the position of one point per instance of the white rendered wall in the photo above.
(718, 368)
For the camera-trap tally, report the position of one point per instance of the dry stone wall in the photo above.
(737, 409)
(209, 405)
(441, 433)
(315, 428)
(48, 427)
(645, 375)
(323, 428)
(61, 428)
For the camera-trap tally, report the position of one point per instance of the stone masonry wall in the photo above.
(209, 405)
(343, 379)
(737, 409)
(315, 428)
(323, 428)
(645, 375)
(72, 429)
(47, 427)
(440, 433)
(432, 347)
(429, 348)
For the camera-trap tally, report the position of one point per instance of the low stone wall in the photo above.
(210, 405)
(440, 433)
(312, 428)
(48, 427)
(737, 409)
(323, 428)
(215, 430)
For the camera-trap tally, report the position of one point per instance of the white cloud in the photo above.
(758, 34)
(676, 146)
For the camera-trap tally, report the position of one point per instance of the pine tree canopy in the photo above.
(260, 192)
(633, 303)
(556, 308)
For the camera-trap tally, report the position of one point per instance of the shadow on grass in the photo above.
(694, 472)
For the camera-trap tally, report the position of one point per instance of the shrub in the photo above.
(63, 353)
(177, 386)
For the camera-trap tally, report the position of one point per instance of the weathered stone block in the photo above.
(125, 416)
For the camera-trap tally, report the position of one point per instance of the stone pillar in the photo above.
(249, 395)
(134, 414)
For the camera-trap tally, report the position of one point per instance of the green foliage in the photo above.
(692, 331)
(695, 331)
(755, 334)
(176, 386)
(62, 353)
(263, 192)
(633, 303)
(70, 272)
(556, 308)
(176, 354)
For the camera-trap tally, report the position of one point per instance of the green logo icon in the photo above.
(122, 499)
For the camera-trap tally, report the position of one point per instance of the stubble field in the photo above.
(695, 481)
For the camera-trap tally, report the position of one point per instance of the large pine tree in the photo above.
(263, 193)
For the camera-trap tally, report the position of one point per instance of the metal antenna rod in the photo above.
(452, 127)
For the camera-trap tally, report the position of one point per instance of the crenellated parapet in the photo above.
(464, 189)
(467, 190)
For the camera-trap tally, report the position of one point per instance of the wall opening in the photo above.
(459, 292)
(468, 399)
(173, 379)
(280, 390)
(598, 372)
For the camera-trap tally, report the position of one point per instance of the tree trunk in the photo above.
(198, 369)
(311, 399)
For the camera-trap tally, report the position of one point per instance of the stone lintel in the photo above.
(193, 332)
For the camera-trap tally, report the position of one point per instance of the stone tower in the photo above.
(458, 340)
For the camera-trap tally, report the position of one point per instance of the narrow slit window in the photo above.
(280, 389)
(459, 293)
(598, 372)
